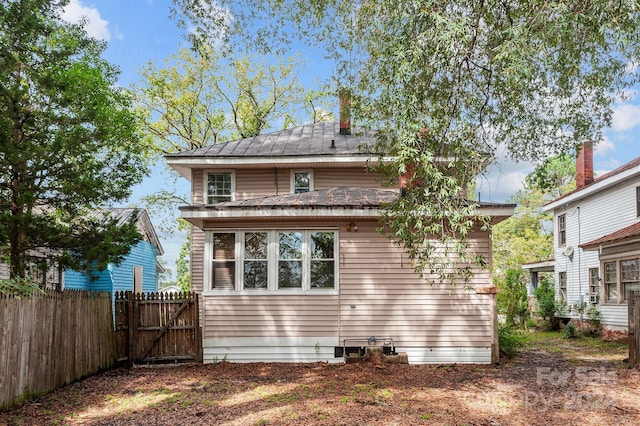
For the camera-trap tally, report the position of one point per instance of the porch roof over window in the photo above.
(626, 234)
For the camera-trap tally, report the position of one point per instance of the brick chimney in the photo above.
(406, 179)
(345, 112)
(584, 165)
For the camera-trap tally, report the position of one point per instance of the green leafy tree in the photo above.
(446, 80)
(69, 143)
(512, 299)
(545, 295)
(526, 237)
(182, 266)
(199, 98)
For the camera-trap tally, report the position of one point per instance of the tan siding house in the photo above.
(286, 256)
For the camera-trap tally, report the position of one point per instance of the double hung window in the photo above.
(620, 277)
(223, 264)
(301, 181)
(611, 281)
(629, 276)
(271, 260)
(594, 285)
(219, 187)
(562, 278)
(562, 230)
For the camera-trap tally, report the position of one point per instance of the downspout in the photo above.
(275, 179)
(581, 298)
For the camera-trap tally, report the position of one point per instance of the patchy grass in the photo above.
(580, 349)
(553, 380)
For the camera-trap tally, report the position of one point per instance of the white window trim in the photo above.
(562, 290)
(272, 257)
(205, 183)
(564, 231)
(292, 180)
(619, 286)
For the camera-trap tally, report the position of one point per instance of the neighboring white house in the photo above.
(597, 241)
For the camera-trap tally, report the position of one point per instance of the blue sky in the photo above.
(139, 31)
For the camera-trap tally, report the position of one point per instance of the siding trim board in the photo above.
(321, 349)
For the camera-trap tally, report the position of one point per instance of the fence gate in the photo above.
(157, 327)
(634, 328)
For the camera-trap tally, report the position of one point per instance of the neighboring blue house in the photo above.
(138, 272)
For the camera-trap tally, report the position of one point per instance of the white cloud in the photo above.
(604, 147)
(96, 27)
(625, 117)
(502, 179)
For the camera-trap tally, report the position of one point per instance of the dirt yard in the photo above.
(552, 381)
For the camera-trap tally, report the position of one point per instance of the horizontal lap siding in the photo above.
(196, 257)
(331, 178)
(614, 316)
(262, 316)
(258, 183)
(380, 295)
(270, 328)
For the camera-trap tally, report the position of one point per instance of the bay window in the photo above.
(271, 260)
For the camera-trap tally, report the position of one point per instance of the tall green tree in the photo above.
(201, 98)
(69, 142)
(198, 98)
(454, 79)
(527, 237)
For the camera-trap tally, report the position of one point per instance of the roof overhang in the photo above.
(198, 215)
(624, 236)
(183, 165)
(543, 266)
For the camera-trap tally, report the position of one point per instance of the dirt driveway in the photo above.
(553, 381)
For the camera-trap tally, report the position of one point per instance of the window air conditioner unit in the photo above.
(594, 298)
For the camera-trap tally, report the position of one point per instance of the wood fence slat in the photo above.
(159, 328)
(50, 340)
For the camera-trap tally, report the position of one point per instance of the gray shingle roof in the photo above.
(332, 197)
(311, 139)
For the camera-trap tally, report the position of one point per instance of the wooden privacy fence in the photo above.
(157, 327)
(634, 328)
(52, 339)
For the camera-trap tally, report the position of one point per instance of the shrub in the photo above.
(19, 287)
(570, 331)
(509, 340)
(512, 298)
(546, 297)
(593, 314)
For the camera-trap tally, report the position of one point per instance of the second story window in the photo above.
(562, 230)
(219, 187)
(301, 181)
(638, 201)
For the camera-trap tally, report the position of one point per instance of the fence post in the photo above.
(198, 333)
(132, 343)
(633, 315)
